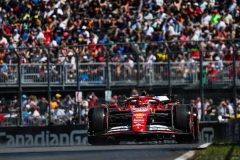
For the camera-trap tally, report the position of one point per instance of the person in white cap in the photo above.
(16, 35)
(71, 60)
(203, 5)
(85, 32)
(53, 43)
(197, 12)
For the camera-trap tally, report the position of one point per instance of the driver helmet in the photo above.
(139, 103)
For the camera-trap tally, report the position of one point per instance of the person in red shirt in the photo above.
(47, 32)
(212, 74)
(197, 12)
(6, 30)
(227, 58)
(92, 44)
(92, 99)
(189, 10)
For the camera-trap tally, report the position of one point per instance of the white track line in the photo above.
(189, 154)
(185, 156)
(205, 145)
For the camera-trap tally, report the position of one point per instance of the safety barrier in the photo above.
(77, 135)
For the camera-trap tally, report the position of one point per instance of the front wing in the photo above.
(153, 132)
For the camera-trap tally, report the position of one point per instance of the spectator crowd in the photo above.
(90, 24)
(35, 110)
(218, 110)
(68, 23)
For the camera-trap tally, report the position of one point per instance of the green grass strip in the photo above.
(218, 152)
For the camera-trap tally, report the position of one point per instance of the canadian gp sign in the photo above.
(44, 136)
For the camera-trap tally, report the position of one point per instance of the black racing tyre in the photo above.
(97, 124)
(181, 118)
(182, 123)
(97, 119)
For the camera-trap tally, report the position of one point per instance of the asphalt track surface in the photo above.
(107, 152)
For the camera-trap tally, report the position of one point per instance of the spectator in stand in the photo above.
(53, 103)
(59, 101)
(43, 106)
(229, 106)
(84, 112)
(15, 103)
(223, 110)
(92, 99)
(68, 116)
(33, 100)
(68, 102)
(193, 104)
(129, 66)
(210, 111)
(134, 92)
(199, 108)
(58, 116)
(3, 71)
(4, 107)
(36, 116)
(24, 100)
(212, 73)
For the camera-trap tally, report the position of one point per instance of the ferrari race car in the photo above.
(143, 118)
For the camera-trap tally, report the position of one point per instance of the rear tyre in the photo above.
(97, 123)
(182, 122)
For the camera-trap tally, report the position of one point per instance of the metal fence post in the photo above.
(138, 65)
(78, 84)
(234, 86)
(234, 79)
(19, 87)
(169, 69)
(201, 87)
(107, 71)
(49, 88)
(108, 87)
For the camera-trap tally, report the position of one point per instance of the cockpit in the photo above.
(142, 103)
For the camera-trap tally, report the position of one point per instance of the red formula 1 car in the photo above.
(143, 118)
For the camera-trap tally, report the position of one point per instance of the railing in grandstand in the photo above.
(94, 74)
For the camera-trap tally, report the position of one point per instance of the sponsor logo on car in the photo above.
(139, 114)
(120, 128)
(138, 120)
(158, 127)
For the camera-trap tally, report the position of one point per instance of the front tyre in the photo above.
(182, 122)
(97, 124)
